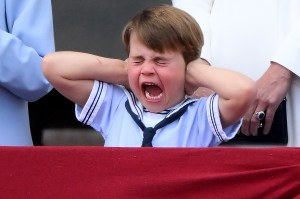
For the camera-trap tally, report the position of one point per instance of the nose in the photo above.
(147, 68)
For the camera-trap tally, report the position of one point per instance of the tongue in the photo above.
(153, 90)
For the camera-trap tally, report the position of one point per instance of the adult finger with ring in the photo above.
(260, 115)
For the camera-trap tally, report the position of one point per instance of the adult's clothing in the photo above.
(26, 35)
(246, 35)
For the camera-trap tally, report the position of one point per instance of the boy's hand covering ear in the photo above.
(194, 90)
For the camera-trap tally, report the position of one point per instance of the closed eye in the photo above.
(161, 62)
(136, 61)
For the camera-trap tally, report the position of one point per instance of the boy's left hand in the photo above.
(196, 91)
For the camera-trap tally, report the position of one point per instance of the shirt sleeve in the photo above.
(288, 53)
(201, 11)
(87, 114)
(25, 38)
(214, 119)
(101, 107)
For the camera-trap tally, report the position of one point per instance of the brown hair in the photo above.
(164, 28)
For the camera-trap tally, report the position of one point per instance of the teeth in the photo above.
(149, 84)
(153, 97)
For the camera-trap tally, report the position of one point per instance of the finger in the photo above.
(246, 124)
(270, 112)
(245, 129)
(257, 118)
(255, 124)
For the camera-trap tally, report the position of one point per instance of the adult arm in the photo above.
(275, 82)
(27, 38)
(73, 73)
(235, 98)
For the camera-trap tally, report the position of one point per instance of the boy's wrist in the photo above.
(196, 73)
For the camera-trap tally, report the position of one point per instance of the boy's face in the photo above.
(157, 79)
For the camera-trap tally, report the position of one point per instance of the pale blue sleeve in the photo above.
(215, 123)
(103, 107)
(26, 35)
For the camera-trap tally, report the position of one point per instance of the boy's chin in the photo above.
(156, 108)
(153, 109)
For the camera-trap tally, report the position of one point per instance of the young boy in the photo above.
(163, 45)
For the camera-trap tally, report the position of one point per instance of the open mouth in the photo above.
(152, 91)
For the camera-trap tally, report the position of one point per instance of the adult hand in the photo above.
(272, 87)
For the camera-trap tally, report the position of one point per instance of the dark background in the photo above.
(92, 26)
